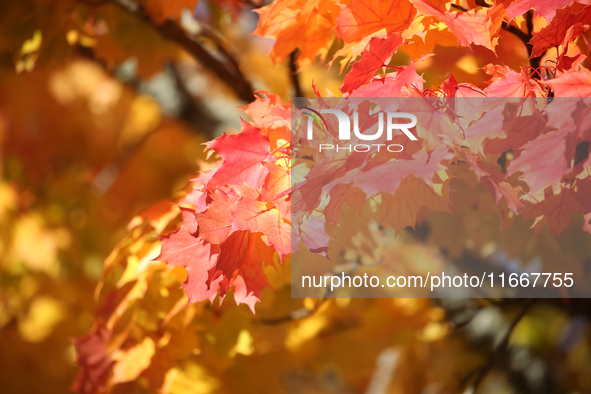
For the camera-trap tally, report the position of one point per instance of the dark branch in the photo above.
(293, 74)
(459, 8)
(526, 38)
(192, 110)
(227, 70)
(534, 62)
(516, 31)
(502, 347)
(482, 3)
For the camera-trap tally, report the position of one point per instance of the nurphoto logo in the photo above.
(344, 128)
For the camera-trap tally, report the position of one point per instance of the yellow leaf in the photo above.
(131, 363)
(32, 44)
(44, 313)
(243, 345)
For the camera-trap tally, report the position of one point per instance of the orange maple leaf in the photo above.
(372, 59)
(241, 260)
(361, 18)
(256, 216)
(471, 27)
(299, 24)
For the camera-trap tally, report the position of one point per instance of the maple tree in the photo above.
(503, 183)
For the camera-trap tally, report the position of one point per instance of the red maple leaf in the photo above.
(556, 209)
(572, 84)
(519, 131)
(242, 255)
(509, 192)
(387, 177)
(541, 173)
(215, 223)
(259, 217)
(511, 84)
(372, 59)
(471, 27)
(243, 155)
(93, 360)
(545, 8)
(338, 195)
(183, 249)
(403, 83)
(564, 28)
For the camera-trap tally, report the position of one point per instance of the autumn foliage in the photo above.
(137, 95)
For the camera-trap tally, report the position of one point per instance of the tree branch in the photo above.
(227, 70)
(293, 74)
(517, 32)
(485, 369)
(526, 38)
(534, 62)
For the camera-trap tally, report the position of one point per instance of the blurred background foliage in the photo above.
(102, 114)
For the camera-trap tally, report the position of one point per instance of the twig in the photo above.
(293, 74)
(529, 18)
